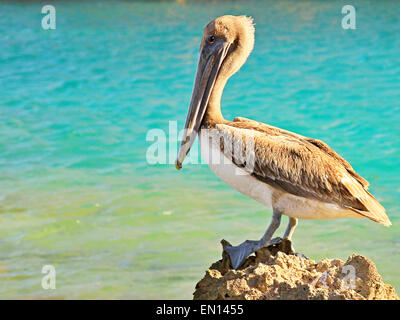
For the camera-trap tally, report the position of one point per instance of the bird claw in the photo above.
(275, 241)
(238, 254)
(281, 244)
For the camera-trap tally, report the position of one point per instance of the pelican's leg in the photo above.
(290, 228)
(289, 231)
(239, 253)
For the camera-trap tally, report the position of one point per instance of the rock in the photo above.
(276, 272)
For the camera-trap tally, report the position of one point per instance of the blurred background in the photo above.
(77, 102)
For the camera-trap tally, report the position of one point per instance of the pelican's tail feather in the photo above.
(374, 210)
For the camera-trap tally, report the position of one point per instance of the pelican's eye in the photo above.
(211, 39)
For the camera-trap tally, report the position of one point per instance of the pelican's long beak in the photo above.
(210, 61)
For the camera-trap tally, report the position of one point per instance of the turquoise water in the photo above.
(76, 104)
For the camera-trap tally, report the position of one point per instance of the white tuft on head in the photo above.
(248, 32)
(249, 21)
(242, 30)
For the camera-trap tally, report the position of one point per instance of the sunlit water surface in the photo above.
(76, 103)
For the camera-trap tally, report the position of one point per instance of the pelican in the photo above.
(297, 176)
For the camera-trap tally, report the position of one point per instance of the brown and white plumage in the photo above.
(297, 176)
(301, 166)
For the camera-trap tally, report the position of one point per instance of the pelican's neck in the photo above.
(213, 114)
(232, 63)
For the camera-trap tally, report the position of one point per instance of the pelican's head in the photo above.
(226, 43)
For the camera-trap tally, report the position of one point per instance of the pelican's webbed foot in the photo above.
(238, 254)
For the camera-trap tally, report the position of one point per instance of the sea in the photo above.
(91, 205)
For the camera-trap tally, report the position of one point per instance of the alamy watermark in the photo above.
(218, 146)
(349, 280)
(49, 20)
(49, 280)
(349, 20)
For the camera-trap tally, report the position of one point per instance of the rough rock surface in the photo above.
(277, 272)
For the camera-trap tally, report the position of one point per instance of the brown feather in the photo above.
(318, 143)
(299, 165)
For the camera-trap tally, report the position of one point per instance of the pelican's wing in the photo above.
(318, 143)
(297, 165)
